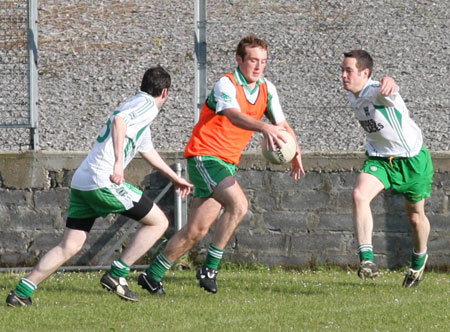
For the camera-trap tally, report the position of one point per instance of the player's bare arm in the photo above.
(183, 187)
(118, 130)
(272, 132)
(388, 86)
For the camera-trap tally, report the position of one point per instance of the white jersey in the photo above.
(138, 112)
(224, 93)
(390, 130)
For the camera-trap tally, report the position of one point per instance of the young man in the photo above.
(99, 188)
(397, 159)
(230, 115)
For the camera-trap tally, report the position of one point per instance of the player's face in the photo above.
(353, 79)
(253, 64)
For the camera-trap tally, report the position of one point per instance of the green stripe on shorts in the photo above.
(101, 202)
(206, 172)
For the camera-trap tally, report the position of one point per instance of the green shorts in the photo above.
(411, 177)
(101, 202)
(206, 172)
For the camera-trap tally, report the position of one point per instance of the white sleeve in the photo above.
(274, 110)
(225, 95)
(387, 100)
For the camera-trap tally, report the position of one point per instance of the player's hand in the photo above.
(297, 167)
(182, 187)
(118, 175)
(388, 86)
(273, 136)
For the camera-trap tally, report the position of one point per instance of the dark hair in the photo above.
(155, 80)
(363, 59)
(250, 41)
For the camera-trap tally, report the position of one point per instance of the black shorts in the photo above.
(137, 212)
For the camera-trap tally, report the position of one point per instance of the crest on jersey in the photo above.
(225, 97)
(366, 111)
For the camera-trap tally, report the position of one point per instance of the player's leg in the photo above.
(367, 187)
(154, 224)
(420, 229)
(71, 243)
(235, 206)
(415, 184)
(419, 224)
(206, 173)
(204, 212)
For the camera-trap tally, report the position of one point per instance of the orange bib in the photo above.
(215, 135)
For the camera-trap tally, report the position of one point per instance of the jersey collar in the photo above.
(369, 82)
(140, 92)
(240, 79)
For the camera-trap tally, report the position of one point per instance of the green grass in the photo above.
(250, 299)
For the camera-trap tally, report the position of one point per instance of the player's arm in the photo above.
(239, 119)
(182, 186)
(297, 164)
(388, 86)
(118, 130)
(227, 105)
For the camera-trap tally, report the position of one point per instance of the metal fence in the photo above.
(18, 75)
(306, 45)
(408, 40)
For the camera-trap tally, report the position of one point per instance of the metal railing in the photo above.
(18, 75)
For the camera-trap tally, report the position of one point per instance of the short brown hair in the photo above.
(250, 41)
(155, 80)
(363, 59)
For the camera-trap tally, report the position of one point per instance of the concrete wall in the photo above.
(289, 223)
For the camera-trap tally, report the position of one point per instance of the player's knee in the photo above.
(195, 234)
(71, 248)
(358, 196)
(238, 208)
(156, 217)
(242, 209)
(163, 223)
(416, 219)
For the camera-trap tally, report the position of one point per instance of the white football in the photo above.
(281, 155)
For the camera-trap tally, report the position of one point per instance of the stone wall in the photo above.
(289, 223)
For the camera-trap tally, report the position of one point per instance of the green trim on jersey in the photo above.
(131, 142)
(141, 110)
(240, 79)
(394, 118)
(102, 138)
(211, 101)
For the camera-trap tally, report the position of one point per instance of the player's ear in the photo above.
(165, 93)
(366, 72)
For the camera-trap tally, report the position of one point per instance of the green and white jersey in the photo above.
(390, 130)
(223, 96)
(138, 112)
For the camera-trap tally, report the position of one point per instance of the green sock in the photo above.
(25, 288)
(213, 257)
(417, 260)
(158, 268)
(366, 252)
(119, 269)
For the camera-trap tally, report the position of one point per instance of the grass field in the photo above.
(249, 299)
